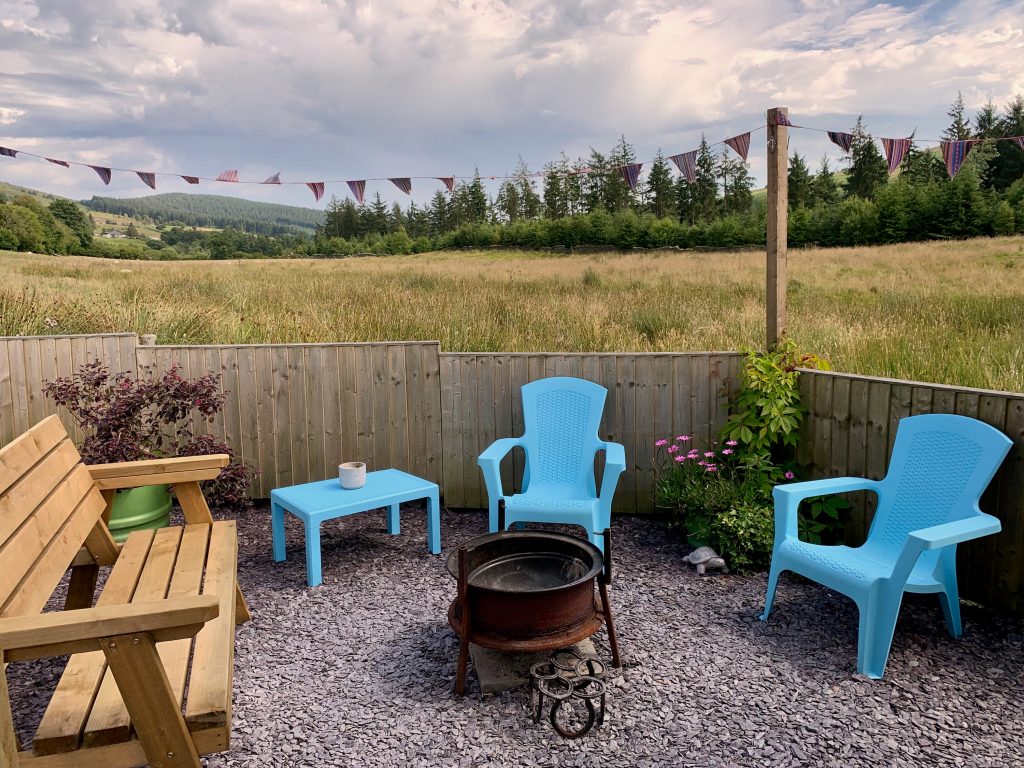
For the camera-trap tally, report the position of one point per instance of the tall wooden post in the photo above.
(778, 220)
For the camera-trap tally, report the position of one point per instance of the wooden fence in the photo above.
(850, 431)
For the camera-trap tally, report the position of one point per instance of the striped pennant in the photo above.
(631, 174)
(404, 184)
(275, 179)
(103, 173)
(191, 179)
(448, 181)
(358, 187)
(687, 164)
(954, 153)
(63, 163)
(740, 144)
(229, 175)
(316, 187)
(149, 179)
(8, 152)
(782, 119)
(842, 140)
(895, 151)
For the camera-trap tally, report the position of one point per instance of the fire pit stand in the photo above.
(529, 592)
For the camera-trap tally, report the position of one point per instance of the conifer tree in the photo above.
(868, 169)
(825, 187)
(659, 188)
(799, 179)
(959, 126)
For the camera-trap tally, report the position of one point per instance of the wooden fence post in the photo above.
(778, 219)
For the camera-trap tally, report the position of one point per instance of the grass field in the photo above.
(948, 312)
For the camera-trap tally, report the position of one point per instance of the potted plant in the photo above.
(124, 418)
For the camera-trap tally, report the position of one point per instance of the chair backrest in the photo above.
(49, 504)
(561, 417)
(940, 466)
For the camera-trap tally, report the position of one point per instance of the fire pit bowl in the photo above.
(527, 586)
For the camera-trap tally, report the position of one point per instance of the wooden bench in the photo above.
(164, 619)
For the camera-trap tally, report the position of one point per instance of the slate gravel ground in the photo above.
(359, 671)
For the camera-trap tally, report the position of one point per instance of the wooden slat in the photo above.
(35, 484)
(209, 692)
(1009, 578)
(416, 403)
(128, 753)
(472, 480)
(363, 407)
(248, 446)
(398, 407)
(646, 427)
(430, 357)
(7, 427)
(296, 415)
(108, 721)
(350, 424)
(61, 727)
(185, 581)
(23, 453)
(381, 456)
(316, 381)
(265, 407)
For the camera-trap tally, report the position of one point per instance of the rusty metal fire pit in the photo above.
(527, 592)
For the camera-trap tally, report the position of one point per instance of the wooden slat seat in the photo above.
(150, 675)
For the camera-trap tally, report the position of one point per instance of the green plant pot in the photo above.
(138, 509)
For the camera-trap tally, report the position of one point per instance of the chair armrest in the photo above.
(788, 497)
(973, 527)
(490, 463)
(134, 474)
(39, 636)
(614, 465)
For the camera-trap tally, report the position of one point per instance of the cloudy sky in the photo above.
(347, 89)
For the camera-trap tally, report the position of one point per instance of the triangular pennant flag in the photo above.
(191, 179)
(149, 179)
(404, 184)
(229, 175)
(358, 187)
(741, 144)
(275, 179)
(687, 164)
(1019, 140)
(103, 173)
(631, 174)
(316, 187)
(8, 152)
(954, 153)
(895, 150)
(448, 181)
(58, 162)
(842, 140)
(782, 119)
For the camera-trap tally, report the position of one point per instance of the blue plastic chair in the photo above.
(561, 416)
(927, 504)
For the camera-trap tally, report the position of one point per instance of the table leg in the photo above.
(434, 524)
(394, 526)
(277, 530)
(314, 575)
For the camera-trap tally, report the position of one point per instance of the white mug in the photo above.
(352, 474)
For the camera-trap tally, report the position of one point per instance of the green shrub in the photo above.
(744, 535)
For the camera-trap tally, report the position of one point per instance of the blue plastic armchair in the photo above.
(927, 504)
(561, 417)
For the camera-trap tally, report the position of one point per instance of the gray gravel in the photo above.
(359, 671)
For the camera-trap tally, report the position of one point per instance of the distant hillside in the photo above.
(213, 211)
(13, 190)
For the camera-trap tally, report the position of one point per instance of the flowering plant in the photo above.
(128, 419)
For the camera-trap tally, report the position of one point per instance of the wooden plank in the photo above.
(350, 426)
(47, 374)
(232, 421)
(331, 393)
(363, 408)
(64, 720)
(1009, 576)
(19, 385)
(8, 741)
(519, 374)
(700, 396)
(29, 470)
(416, 403)
(469, 416)
(988, 559)
(128, 753)
(314, 381)
(778, 218)
(625, 372)
(108, 721)
(900, 403)
(297, 416)
(266, 388)
(7, 428)
(486, 418)
(821, 415)
(451, 459)
(396, 390)
(877, 435)
(248, 447)
(185, 581)
(209, 693)
(920, 400)
(646, 420)
(840, 427)
(430, 358)
(721, 384)
(381, 456)
(973, 574)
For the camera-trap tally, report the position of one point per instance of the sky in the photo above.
(352, 89)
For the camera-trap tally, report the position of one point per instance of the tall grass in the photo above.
(946, 312)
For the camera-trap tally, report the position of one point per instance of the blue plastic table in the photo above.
(313, 503)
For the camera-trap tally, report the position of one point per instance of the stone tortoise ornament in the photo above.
(704, 558)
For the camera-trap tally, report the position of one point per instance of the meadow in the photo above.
(950, 312)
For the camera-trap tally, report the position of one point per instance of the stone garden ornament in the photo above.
(704, 558)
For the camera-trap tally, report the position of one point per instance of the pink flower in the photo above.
(693, 454)
(789, 475)
(710, 468)
(709, 454)
(683, 438)
(680, 458)
(731, 442)
(672, 448)
(702, 463)
(660, 443)
(726, 451)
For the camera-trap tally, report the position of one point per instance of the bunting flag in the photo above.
(1019, 140)
(842, 140)
(631, 174)
(781, 119)
(316, 187)
(954, 153)
(687, 164)
(448, 181)
(191, 179)
(275, 179)
(358, 187)
(8, 152)
(740, 144)
(404, 184)
(58, 162)
(103, 173)
(895, 151)
(149, 179)
(229, 175)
